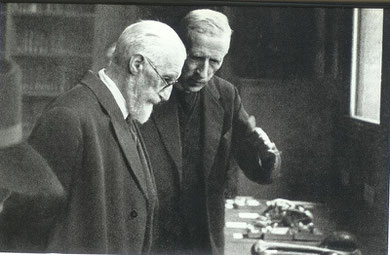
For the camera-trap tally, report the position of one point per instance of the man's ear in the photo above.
(136, 64)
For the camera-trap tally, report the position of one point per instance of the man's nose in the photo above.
(203, 69)
(166, 93)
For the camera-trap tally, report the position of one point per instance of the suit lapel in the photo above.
(166, 119)
(213, 122)
(129, 148)
(121, 130)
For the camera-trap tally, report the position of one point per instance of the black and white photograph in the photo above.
(194, 128)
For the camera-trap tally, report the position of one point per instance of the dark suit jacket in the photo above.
(86, 141)
(225, 127)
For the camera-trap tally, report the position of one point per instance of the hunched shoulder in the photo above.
(78, 99)
(226, 89)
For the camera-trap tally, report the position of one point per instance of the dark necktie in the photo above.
(135, 133)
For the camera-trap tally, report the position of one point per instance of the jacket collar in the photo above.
(121, 129)
(166, 118)
(103, 94)
(213, 116)
(110, 84)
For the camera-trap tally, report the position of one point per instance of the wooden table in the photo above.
(321, 220)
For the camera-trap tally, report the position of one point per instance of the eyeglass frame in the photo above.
(159, 75)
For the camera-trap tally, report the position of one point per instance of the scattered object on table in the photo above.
(229, 201)
(339, 243)
(252, 202)
(278, 233)
(253, 232)
(238, 236)
(287, 214)
(269, 233)
(281, 202)
(282, 233)
(229, 206)
(248, 215)
(236, 224)
(282, 220)
(262, 222)
(241, 201)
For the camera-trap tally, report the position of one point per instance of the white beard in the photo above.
(139, 109)
(141, 106)
(143, 113)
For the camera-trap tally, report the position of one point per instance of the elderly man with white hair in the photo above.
(191, 138)
(89, 137)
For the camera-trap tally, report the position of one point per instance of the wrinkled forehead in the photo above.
(218, 45)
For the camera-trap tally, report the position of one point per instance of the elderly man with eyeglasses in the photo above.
(191, 138)
(89, 137)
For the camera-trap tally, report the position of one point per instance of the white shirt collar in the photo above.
(120, 100)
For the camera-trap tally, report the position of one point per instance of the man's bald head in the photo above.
(151, 38)
(148, 56)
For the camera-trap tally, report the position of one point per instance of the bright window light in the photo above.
(366, 64)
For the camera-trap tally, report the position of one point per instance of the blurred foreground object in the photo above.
(338, 243)
(10, 103)
(22, 169)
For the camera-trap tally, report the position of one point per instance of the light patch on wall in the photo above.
(366, 64)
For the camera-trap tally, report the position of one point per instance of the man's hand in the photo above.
(267, 150)
(260, 139)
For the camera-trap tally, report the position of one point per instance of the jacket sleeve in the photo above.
(257, 164)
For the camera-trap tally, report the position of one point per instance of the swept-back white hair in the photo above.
(204, 21)
(150, 38)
